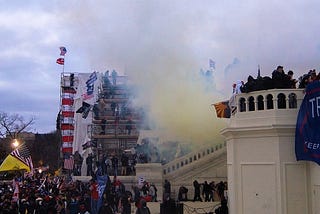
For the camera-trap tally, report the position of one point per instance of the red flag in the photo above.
(60, 61)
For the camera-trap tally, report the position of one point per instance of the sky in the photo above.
(160, 45)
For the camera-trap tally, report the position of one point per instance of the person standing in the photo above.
(143, 209)
(206, 191)
(77, 163)
(106, 208)
(129, 126)
(213, 190)
(196, 186)
(124, 164)
(153, 192)
(89, 164)
(167, 190)
(114, 75)
(114, 161)
(94, 196)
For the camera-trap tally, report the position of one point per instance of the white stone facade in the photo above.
(263, 174)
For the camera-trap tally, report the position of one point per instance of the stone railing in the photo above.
(268, 100)
(191, 158)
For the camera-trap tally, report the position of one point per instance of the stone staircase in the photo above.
(207, 164)
(187, 207)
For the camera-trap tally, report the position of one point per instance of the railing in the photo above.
(191, 158)
(269, 99)
(113, 130)
(120, 80)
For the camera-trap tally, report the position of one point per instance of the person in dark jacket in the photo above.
(196, 186)
(106, 208)
(223, 209)
(143, 209)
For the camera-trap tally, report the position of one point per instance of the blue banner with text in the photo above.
(307, 139)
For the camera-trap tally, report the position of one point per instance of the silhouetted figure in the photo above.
(89, 160)
(249, 86)
(103, 126)
(206, 191)
(183, 194)
(196, 186)
(77, 163)
(167, 190)
(223, 209)
(220, 188)
(129, 126)
(114, 75)
(114, 161)
(279, 78)
(143, 209)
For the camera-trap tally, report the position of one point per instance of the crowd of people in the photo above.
(123, 164)
(42, 193)
(45, 194)
(204, 191)
(278, 80)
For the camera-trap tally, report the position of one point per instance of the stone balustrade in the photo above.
(272, 99)
(195, 156)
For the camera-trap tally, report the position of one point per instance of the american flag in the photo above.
(68, 163)
(63, 51)
(23, 154)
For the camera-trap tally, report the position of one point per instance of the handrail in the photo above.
(113, 129)
(191, 158)
(272, 99)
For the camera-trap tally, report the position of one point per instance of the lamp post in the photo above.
(15, 143)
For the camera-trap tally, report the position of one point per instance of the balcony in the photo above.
(274, 106)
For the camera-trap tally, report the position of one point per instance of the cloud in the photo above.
(160, 45)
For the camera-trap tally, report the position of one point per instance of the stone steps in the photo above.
(188, 207)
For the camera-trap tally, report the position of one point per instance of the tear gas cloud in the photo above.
(155, 51)
(162, 45)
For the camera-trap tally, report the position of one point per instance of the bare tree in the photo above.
(12, 125)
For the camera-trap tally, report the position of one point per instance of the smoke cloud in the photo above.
(153, 46)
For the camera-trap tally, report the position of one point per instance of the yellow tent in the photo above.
(12, 163)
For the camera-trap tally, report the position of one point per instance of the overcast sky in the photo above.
(161, 45)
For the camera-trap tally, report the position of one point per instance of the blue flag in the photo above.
(307, 141)
(102, 182)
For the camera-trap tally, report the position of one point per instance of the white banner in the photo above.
(87, 91)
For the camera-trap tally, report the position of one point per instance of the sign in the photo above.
(307, 139)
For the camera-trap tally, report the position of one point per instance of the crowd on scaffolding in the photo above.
(116, 165)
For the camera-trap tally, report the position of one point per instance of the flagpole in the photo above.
(63, 63)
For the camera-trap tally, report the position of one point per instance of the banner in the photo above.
(307, 139)
(222, 109)
(86, 96)
(11, 163)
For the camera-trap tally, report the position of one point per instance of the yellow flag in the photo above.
(12, 163)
